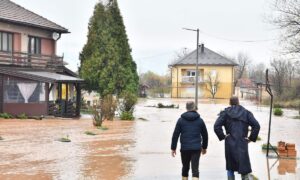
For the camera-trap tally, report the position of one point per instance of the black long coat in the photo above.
(236, 120)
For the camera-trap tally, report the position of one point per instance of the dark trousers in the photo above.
(190, 157)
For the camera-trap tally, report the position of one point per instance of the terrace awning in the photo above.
(41, 76)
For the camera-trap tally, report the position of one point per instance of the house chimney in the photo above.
(202, 48)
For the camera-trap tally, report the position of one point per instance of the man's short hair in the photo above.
(190, 106)
(234, 101)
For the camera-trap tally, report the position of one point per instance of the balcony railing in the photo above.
(191, 79)
(30, 60)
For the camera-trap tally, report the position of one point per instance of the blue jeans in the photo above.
(230, 173)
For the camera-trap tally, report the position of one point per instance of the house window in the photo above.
(6, 41)
(21, 91)
(213, 73)
(191, 73)
(34, 45)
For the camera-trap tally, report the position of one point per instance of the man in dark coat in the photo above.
(236, 120)
(193, 138)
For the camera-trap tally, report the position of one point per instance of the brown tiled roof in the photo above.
(12, 12)
(208, 57)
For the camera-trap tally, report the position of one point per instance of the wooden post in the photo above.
(67, 98)
(46, 88)
(1, 93)
(78, 99)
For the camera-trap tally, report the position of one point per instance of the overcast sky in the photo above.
(154, 27)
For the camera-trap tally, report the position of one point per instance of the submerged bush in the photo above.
(97, 118)
(64, 139)
(258, 138)
(22, 116)
(108, 107)
(90, 133)
(126, 116)
(103, 128)
(278, 112)
(126, 105)
(265, 146)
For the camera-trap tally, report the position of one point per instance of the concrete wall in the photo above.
(21, 36)
(225, 77)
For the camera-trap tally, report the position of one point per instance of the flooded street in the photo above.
(133, 150)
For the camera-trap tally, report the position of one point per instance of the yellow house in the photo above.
(216, 75)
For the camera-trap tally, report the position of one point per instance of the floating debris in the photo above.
(143, 119)
(160, 105)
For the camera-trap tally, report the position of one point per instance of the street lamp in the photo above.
(197, 59)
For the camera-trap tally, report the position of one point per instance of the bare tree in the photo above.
(279, 75)
(179, 54)
(287, 18)
(290, 70)
(257, 71)
(212, 83)
(243, 61)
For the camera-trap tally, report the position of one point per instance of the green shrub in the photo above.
(127, 102)
(127, 115)
(22, 116)
(278, 112)
(6, 116)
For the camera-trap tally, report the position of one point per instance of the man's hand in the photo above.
(248, 140)
(173, 153)
(203, 151)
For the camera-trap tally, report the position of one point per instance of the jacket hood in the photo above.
(237, 112)
(190, 115)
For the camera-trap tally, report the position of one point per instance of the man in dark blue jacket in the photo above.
(193, 138)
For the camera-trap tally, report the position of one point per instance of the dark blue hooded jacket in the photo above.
(192, 131)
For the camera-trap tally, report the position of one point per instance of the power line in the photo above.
(235, 40)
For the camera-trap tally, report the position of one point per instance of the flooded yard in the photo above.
(133, 150)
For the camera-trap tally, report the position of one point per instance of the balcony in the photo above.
(191, 79)
(30, 60)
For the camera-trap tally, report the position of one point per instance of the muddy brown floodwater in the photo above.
(133, 150)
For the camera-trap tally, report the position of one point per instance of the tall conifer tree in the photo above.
(106, 61)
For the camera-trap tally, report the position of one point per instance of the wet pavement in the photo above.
(133, 150)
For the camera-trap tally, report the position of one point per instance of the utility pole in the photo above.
(197, 66)
(197, 71)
